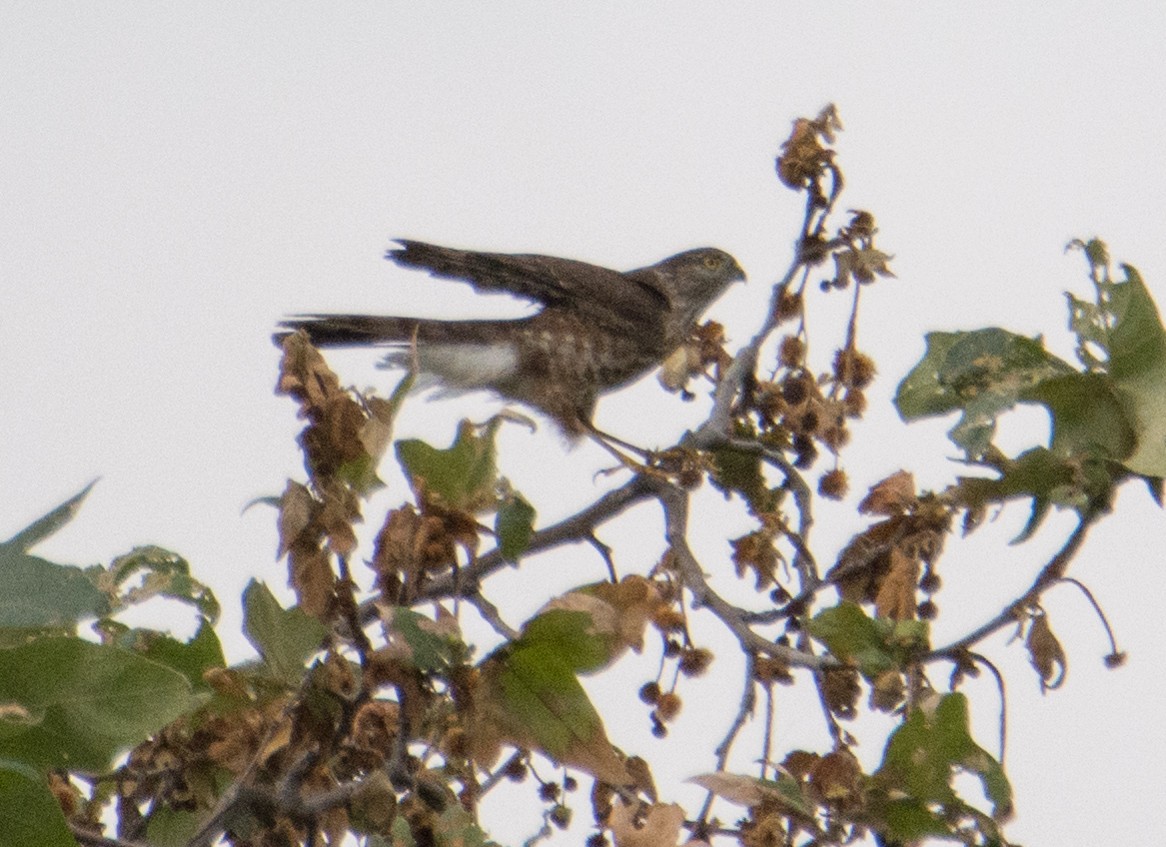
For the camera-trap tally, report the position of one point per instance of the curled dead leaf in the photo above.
(311, 576)
(803, 154)
(896, 595)
(756, 552)
(891, 496)
(841, 689)
(296, 510)
(1046, 653)
(836, 778)
(635, 600)
(739, 789)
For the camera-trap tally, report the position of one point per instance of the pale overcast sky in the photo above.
(175, 178)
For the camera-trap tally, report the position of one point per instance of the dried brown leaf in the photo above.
(888, 691)
(341, 508)
(803, 155)
(836, 778)
(654, 825)
(377, 431)
(840, 690)
(756, 552)
(641, 776)
(799, 763)
(1046, 653)
(311, 577)
(896, 594)
(635, 600)
(739, 789)
(891, 496)
(863, 562)
(303, 373)
(297, 508)
(396, 550)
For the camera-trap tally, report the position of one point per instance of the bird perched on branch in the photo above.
(598, 329)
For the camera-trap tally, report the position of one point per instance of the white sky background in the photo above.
(175, 179)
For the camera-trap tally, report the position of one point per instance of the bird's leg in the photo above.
(624, 460)
(612, 444)
(601, 436)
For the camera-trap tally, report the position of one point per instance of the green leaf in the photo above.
(740, 471)
(539, 703)
(461, 477)
(876, 645)
(530, 690)
(924, 753)
(1049, 479)
(513, 526)
(983, 373)
(456, 827)
(910, 820)
(43, 527)
(565, 637)
(1087, 416)
(157, 572)
(952, 728)
(29, 814)
(1137, 363)
(285, 638)
(73, 704)
(167, 827)
(1089, 321)
(35, 593)
(360, 472)
(433, 646)
(192, 658)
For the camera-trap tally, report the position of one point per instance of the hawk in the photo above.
(598, 329)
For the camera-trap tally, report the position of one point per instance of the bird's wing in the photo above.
(597, 292)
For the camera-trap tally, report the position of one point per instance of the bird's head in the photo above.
(694, 279)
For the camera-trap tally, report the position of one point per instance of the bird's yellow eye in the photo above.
(712, 261)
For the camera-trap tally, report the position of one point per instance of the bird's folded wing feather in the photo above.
(597, 292)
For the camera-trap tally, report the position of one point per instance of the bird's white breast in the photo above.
(459, 367)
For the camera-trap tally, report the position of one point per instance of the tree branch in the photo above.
(576, 528)
(1048, 576)
(675, 503)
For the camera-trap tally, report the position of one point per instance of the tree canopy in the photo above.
(367, 712)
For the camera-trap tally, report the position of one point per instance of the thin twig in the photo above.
(605, 553)
(717, 427)
(1048, 576)
(675, 503)
(1097, 608)
(983, 660)
(491, 615)
(767, 737)
(832, 725)
(744, 711)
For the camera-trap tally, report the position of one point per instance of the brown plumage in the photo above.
(598, 329)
